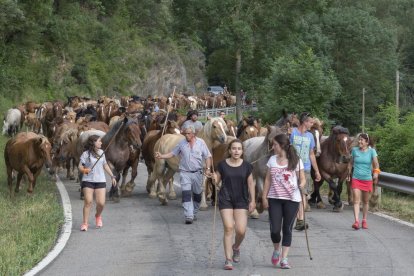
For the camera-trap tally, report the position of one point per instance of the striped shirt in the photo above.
(284, 183)
(191, 157)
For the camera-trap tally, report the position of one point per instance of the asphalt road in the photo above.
(141, 237)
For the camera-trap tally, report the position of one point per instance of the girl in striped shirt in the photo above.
(281, 195)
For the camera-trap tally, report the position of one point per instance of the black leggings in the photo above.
(286, 210)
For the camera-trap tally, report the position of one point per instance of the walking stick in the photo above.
(213, 234)
(304, 215)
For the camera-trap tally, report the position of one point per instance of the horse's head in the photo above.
(272, 131)
(287, 122)
(341, 142)
(248, 132)
(133, 133)
(45, 148)
(216, 129)
(172, 127)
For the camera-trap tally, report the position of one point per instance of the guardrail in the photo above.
(215, 112)
(396, 182)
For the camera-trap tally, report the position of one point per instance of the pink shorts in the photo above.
(363, 185)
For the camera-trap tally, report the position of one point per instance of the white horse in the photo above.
(11, 122)
(257, 151)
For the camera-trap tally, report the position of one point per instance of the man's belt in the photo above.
(196, 171)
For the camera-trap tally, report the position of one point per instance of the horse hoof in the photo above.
(129, 187)
(338, 209)
(203, 208)
(331, 201)
(320, 205)
(172, 196)
(254, 215)
(152, 195)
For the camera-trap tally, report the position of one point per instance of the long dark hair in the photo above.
(291, 154)
(90, 145)
(231, 144)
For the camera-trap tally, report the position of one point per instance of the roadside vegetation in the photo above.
(29, 225)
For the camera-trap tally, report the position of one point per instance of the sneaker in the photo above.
(284, 264)
(364, 224)
(236, 255)
(188, 221)
(300, 225)
(355, 225)
(275, 257)
(98, 222)
(228, 265)
(84, 227)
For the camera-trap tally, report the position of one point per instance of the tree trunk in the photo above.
(239, 111)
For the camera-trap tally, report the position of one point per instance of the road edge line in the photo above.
(406, 223)
(64, 233)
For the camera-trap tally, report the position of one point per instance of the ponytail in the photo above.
(291, 154)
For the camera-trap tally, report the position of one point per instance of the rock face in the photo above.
(185, 70)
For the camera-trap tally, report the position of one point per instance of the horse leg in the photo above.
(203, 203)
(318, 197)
(67, 163)
(134, 172)
(151, 185)
(10, 180)
(18, 181)
(163, 180)
(114, 191)
(349, 191)
(124, 176)
(172, 195)
(338, 206)
(255, 213)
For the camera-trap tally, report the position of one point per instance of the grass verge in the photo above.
(29, 225)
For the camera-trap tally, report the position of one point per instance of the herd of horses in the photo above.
(131, 136)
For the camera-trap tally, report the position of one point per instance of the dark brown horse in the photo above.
(118, 149)
(333, 164)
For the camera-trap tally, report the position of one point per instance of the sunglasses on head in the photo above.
(364, 136)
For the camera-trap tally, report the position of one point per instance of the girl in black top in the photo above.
(237, 184)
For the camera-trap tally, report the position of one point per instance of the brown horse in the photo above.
(26, 153)
(118, 151)
(333, 164)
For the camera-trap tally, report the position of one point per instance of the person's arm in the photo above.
(314, 165)
(109, 172)
(252, 193)
(302, 177)
(81, 166)
(350, 165)
(158, 155)
(266, 189)
(376, 169)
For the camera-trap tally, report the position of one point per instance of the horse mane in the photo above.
(112, 131)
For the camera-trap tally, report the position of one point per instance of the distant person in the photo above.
(93, 180)
(192, 120)
(304, 143)
(281, 195)
(365, 166)
(243, 97)
(223, 115)
(235, 199)
(193, 151)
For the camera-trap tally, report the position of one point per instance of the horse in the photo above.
(11, 123)
(333, 166)
(257, 151)
(117, 149)
(148, 146)
(26, 153)
(213, 131)
(317, 132)
(248, 128)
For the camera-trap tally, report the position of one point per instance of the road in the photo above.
(141, 237)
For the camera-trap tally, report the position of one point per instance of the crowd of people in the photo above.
(287, 186)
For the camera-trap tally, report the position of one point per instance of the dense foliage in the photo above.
(297, 55)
